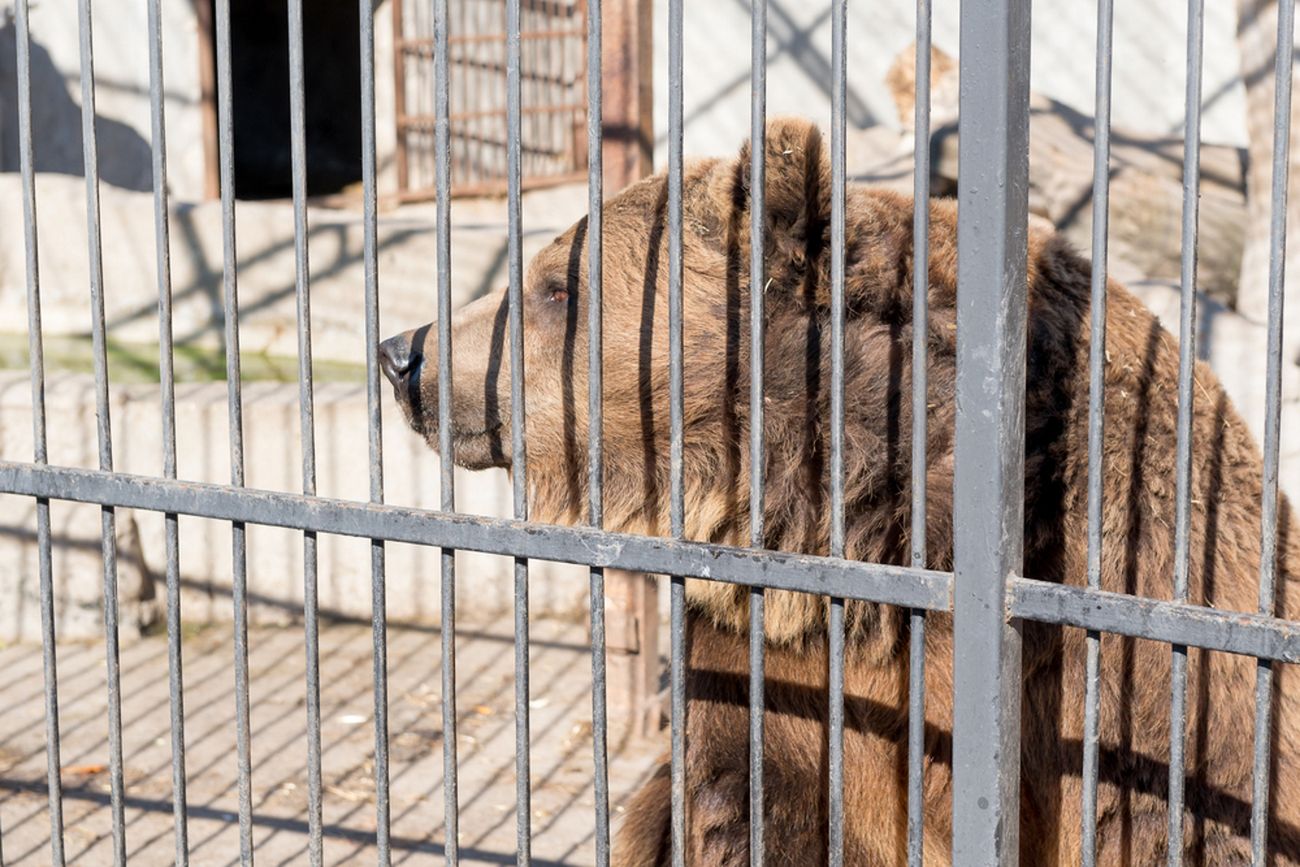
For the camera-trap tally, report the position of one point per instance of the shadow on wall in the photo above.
(124, 155)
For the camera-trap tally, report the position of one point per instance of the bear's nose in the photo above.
(396, 358)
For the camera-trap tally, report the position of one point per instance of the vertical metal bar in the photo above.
(757, 450)
(235, 410)
(446, 446)
(1186, 362)
(988, 508)
(1272, 423)
(1096, 414)
(518, 465)
(595, 420)
(677, 516)
(166, 378)
(835, 626)
(920, 409)
(108, 540)
(374, 411)
(22, 38)
(307, 428)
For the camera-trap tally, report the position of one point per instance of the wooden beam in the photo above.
(627, 70)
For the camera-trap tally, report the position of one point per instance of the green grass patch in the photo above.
(138, 362)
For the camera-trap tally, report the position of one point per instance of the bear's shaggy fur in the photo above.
(1138, 519)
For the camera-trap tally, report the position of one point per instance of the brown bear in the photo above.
(1138, 521)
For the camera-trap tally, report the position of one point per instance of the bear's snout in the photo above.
(398, 360)
(402, 359)
(409, 362)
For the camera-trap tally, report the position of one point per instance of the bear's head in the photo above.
(716, 292)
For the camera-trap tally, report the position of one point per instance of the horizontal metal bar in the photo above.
(1179, 623)
(1044, 601)
(892, 585)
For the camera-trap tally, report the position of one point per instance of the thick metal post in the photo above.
(835, 619)
(988, 509)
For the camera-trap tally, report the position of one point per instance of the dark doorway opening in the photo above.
(259, 55)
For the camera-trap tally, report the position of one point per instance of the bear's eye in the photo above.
(557, 294)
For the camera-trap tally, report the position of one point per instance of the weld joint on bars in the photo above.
(1243, 633)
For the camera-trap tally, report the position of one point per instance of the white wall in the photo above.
(122, 91)
(1148, 93)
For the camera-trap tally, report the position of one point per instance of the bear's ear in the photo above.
(798, 181)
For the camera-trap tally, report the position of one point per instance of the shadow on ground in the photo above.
(562, 801)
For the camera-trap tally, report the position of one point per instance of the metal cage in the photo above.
(986, 594)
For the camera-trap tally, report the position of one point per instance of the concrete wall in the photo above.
(1149, 64)
(121, 96)
(273, 462)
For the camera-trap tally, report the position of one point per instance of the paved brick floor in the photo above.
(561, 748)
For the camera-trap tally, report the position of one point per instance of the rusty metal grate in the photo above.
(552, 68)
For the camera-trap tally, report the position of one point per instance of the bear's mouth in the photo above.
(464, 436)
(475, 449)
(458, 434)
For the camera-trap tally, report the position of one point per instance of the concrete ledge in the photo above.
(264, 236)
